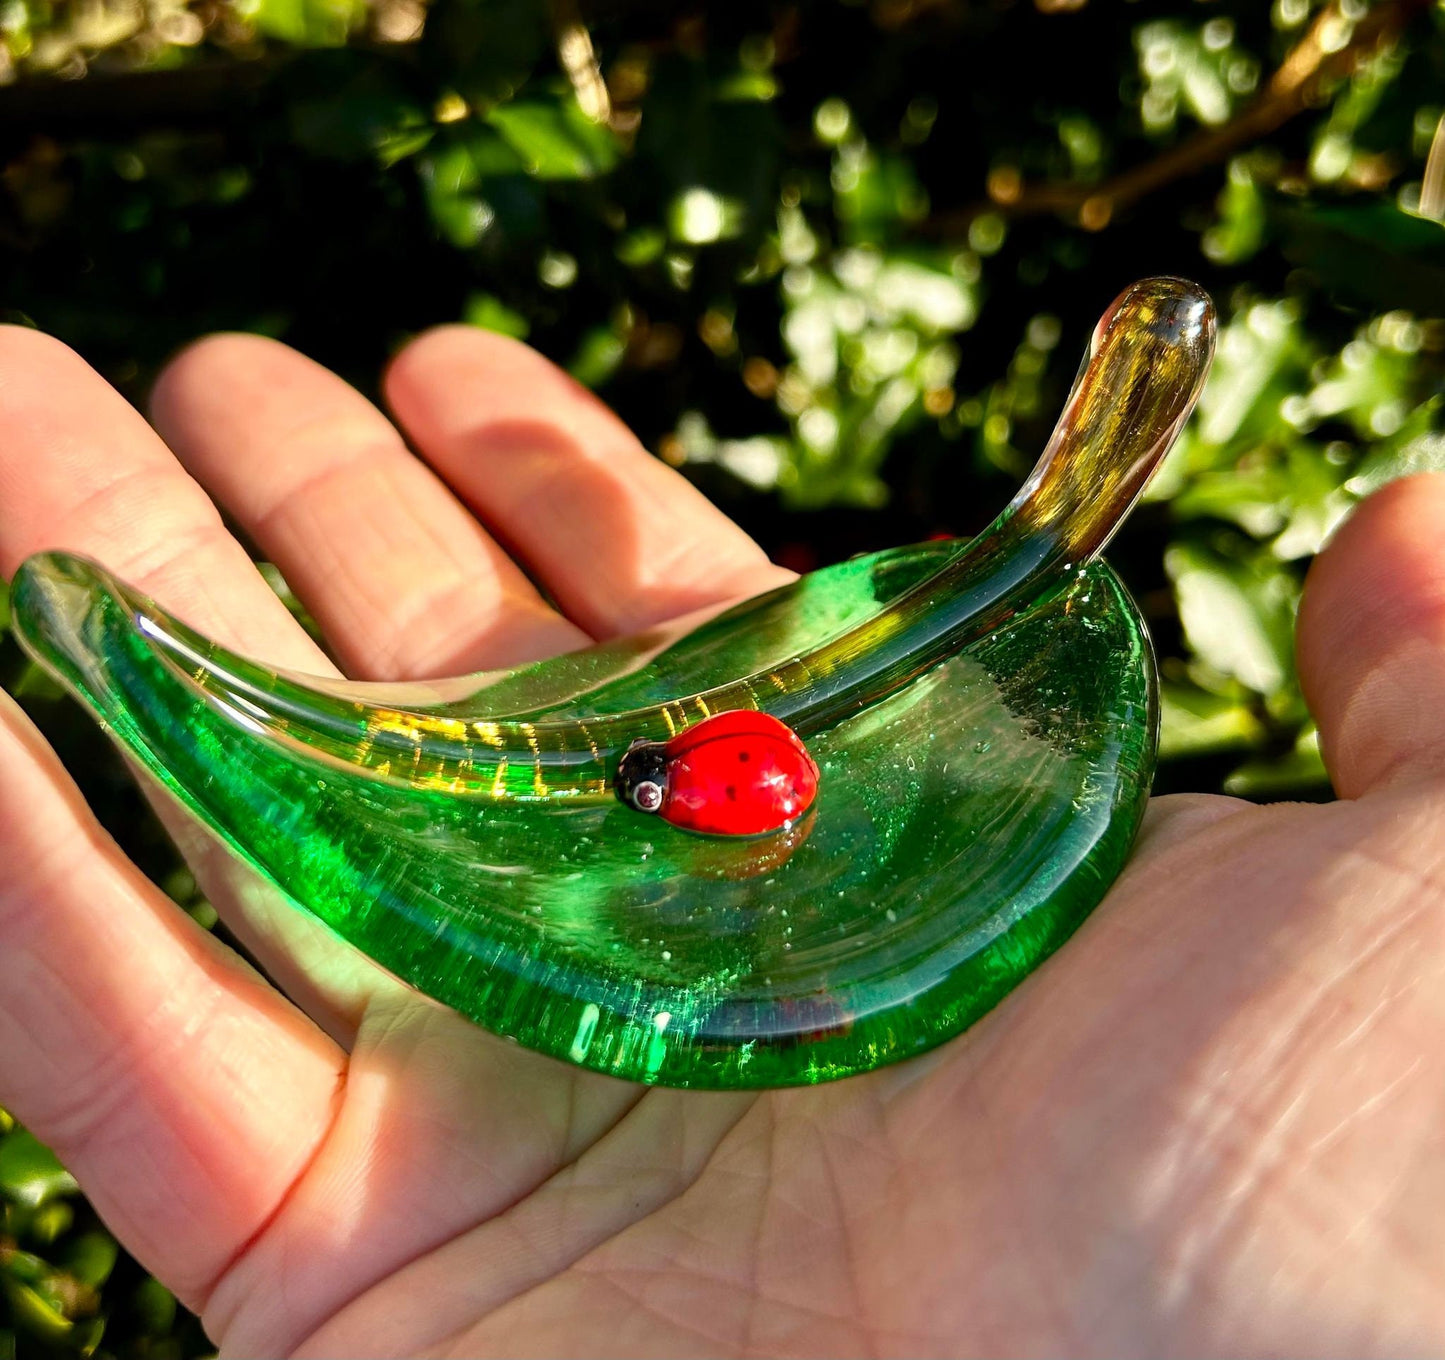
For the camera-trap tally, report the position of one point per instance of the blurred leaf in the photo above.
(699, 217)
(306, 23)
(696, 135)
(26, 1266)
(597, 357)
(1195, 722)
(156, 1306)
(34, 682)
(1297, 772)
(1370, 254)
(492, 314)
(1422, 449)
(474, 180)
(554, 140)
(1240, 229)
(50, 1221)
(486, 48)
(91, 1257)
(1262, 358)
(1237, 615)
(30, 1174)
(641, 247)
(360, 113)
(35, 1314)
(879, 196)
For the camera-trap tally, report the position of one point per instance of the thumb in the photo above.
(1371, 640)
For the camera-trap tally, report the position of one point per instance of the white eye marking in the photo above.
(647, 796)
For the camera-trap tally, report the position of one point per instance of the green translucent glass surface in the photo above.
(983, 715)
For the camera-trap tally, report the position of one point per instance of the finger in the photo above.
(184, 1093)
(620, 540)
(127, 1037)
(81, 470)
(402, 579)
(1371, 640)
(1175, 818)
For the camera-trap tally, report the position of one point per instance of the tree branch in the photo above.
(1294, 87)
(116, 106)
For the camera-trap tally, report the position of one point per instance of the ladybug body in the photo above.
(740, 773)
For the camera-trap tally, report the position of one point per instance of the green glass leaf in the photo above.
(641, 247)
(592, 933)
(983, 716)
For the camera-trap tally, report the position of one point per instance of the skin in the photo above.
(1214, 1123)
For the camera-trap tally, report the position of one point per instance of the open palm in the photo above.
(1215, 1122)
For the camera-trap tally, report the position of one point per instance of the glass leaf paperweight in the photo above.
(979, 718)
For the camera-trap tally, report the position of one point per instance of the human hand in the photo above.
(1212, 1123)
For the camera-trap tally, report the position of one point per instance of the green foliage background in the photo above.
(836, 259)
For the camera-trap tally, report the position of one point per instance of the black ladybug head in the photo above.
(642, 776)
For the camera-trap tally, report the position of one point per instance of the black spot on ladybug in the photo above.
(743, 757)
(732, 793)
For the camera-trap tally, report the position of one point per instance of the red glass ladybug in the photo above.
(739, 773)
